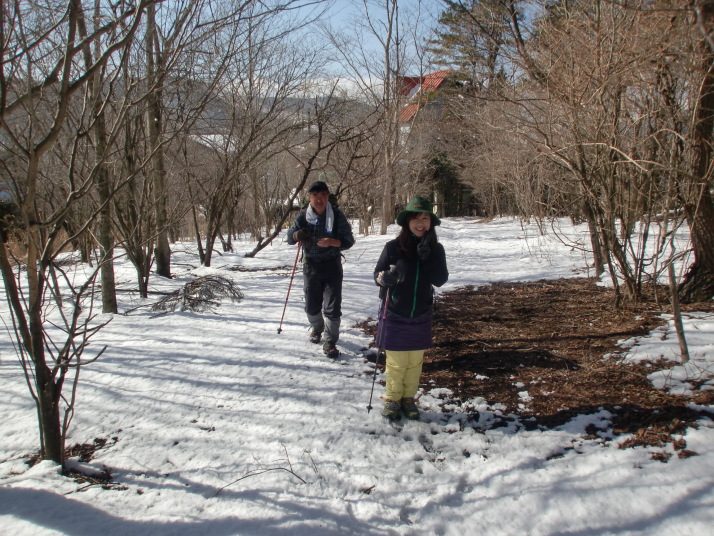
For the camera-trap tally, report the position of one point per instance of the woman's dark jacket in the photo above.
(408, 323)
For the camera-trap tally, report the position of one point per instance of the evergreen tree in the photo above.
(471, 38)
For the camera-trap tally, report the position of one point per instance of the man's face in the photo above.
(318, 200)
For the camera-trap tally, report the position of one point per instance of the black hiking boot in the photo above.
(410, 409)
(315, 337)
(330, 350)
(391, 410)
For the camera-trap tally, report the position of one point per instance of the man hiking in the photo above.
(324, 233)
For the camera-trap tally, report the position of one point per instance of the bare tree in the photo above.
(325, 131)
(697, 189)
(190, 52)
(43, 74)
(377, 73)
(155, 71)
(264, 102)
(96, 85)
(618, 118)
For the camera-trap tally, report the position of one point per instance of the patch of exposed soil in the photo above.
(84, 452)
(556, 341)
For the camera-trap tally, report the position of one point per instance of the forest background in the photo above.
(134, 124)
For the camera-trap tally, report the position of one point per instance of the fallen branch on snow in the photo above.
(201, 294)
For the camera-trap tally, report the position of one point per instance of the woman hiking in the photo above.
(408, 269)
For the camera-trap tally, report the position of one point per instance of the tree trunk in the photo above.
(210, 241)
(48, 413)
(197, 230)
(598, 258)
(213, 228)
(106, 237)
(106, 244)
(698, 283)
(677, 315)
(143, 271)
(153, 115)
(390, 101)
(47, 392)
(387, 197)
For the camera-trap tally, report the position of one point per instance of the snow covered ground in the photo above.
(218, 425)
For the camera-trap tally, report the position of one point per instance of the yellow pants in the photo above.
(403, 371)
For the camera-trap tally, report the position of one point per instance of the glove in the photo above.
(301, 235)
(424, 247)
(400, 269)
(387, 279)
(395, 275)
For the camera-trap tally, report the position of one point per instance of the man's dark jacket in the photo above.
(341, 230)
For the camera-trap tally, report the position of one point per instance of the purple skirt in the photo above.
(403, 334)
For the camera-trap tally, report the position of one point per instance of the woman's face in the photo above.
(420, 224)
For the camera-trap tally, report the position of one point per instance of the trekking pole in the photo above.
(385, 306)
(280, 328)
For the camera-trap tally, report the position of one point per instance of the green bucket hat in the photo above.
(418, 204)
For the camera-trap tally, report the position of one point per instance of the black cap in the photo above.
(318, 186)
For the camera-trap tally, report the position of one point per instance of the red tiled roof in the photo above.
(434, 80)
(409, 111)
(428, 83)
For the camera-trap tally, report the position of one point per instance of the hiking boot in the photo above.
(330, 350)
(391, 409)
(315, 337)
(410, 409)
